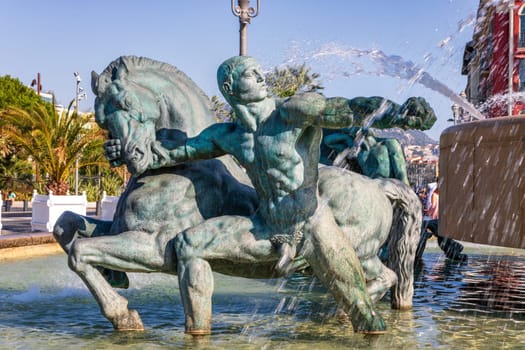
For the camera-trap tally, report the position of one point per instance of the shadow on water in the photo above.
(478, 304)
(492, 285)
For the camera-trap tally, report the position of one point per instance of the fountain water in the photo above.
(376, 62)
(474, 305)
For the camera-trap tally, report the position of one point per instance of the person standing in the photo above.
(450, 247)
(10, 200)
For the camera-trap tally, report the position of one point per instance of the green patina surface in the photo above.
(186, 213)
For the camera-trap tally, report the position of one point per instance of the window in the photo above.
(521, 40)
(522, 75)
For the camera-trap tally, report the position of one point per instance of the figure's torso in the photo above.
(281, 160)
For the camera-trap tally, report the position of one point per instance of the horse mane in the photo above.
(140, 62)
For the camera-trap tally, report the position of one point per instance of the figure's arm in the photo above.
(415, 113)
(171, 152)
(315, 109)
(338, 112)
(206, 145)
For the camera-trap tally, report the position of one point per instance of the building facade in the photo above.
(494, 60)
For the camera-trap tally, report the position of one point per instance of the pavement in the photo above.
(16, 228)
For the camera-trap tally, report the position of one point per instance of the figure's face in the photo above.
(249, 84)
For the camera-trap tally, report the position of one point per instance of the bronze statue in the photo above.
(190, 216)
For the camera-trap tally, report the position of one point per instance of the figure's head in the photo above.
(241, 80)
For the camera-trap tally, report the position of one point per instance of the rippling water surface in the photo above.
(479, 304)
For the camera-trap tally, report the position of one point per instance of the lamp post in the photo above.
(79, 91)
(511, 56)
(455, 112)
(79, 95)
(245, 14)
(36, 84)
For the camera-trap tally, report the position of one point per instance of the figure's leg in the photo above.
(226, 238)
(397, 160)
(131, 251)
(335, 263)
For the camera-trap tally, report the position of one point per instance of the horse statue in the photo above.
(142, 102)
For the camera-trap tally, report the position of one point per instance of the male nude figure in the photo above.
(277, 142)
(375, 157)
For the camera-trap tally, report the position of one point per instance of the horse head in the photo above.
(141, 101)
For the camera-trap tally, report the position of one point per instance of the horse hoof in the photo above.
(129, 322)
(374, 326)
(342, 317)
(372, 332)
(198, 332)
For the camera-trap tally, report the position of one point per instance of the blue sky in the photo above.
(59, 37)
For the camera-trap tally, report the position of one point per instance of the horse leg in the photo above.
(131, 251)
(383, 278)
(113, 306)
(335, 263)
(71, 226)
(196, 289)
(379, 279)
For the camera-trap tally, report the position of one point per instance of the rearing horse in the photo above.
(141, 101)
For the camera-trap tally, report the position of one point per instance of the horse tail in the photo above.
(403, 240)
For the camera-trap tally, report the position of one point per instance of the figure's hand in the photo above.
(338, 106)
(160, 155)
(416, 114)
(112, 151)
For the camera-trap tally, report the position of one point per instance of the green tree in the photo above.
(222, 111)
(290, 80)
(16, 175)
(15, 94)
(54, 141)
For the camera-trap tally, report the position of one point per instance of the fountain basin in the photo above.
(482, 192)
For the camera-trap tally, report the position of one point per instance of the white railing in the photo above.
(108, 206)
(46, 209)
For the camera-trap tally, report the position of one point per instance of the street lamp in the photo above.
(79, 91)
(36, 84)
(245, 14)
(455, 113)
(79, 95)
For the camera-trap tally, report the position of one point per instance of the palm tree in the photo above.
(287, 81)
(54, 140)
(16, 175)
